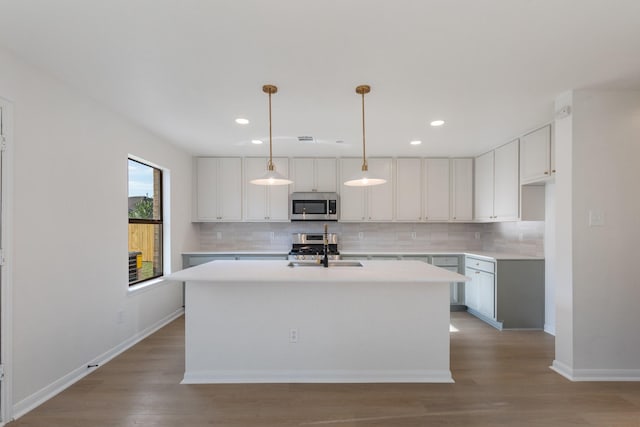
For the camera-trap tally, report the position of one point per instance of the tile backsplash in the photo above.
(526, 238)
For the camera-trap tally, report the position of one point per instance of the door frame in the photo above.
(6, 270)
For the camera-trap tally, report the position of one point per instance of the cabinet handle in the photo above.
(477, 272)
(553, 171)
(546, 172)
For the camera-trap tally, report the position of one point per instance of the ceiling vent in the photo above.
(306, 139)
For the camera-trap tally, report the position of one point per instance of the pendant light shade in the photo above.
(271, 177)
(364, 179)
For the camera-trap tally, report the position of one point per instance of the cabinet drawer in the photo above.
(445, 261)
(479, 264)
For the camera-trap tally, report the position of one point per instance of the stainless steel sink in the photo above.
(331, 264)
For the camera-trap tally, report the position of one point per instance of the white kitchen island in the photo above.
(263, 321)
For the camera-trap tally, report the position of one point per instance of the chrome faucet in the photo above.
(325, 259)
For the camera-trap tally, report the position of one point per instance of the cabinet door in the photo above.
(303, 174)
(206, 203)
(255, 195)
(352, 199)
(278, 195)
(326, 175)
(437, 192)
(408, 190)
(218, 189)
(462, 189)
(507, 182)
(230, 189)
(471, 289)
(380, 197)
(535, 156)
(484, 187)
(552, 155)
(486, 294)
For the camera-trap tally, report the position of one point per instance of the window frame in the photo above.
(160, 222)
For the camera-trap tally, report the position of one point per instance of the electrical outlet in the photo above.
(413, 235)
(219, 235)
(293, 335)
(360, 235)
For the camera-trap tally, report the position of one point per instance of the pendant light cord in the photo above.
(270, 165)
(364, 152)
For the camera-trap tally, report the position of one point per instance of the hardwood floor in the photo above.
(502, 379)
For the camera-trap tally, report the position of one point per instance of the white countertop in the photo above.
(223, 271)
(492, 256)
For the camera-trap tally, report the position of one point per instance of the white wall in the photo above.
(70, 231)
(597, 317)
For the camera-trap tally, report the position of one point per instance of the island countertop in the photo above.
(278, 271)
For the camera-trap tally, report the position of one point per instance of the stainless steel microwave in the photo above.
(314, 206)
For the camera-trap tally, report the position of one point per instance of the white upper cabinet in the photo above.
(437, 190)
(497, 184)
(218, 189)
(462, 190)
(408, 190)
(484, 187)
(314, 174)
(507, 182)
(380, 197)
(263, 202)
(536, 156)
(352, 199)
(367, 203)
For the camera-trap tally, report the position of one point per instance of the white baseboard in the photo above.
(46, 393)
(595, 374)
(550, 329)
(317, 376)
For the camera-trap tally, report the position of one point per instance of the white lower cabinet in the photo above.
(480, 290)
(486, 294)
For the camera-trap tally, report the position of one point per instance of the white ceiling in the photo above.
(185, 69)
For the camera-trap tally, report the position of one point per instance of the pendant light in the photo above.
(272, 177)
(364, 179)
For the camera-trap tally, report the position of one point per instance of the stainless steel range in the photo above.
(311, 246)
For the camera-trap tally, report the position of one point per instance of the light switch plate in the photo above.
(596, 218)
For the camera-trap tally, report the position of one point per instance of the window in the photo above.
(145, 222)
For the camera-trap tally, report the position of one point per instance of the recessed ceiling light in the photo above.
(415, 142)
(242, 121)
(437, 123)
(256, 141)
